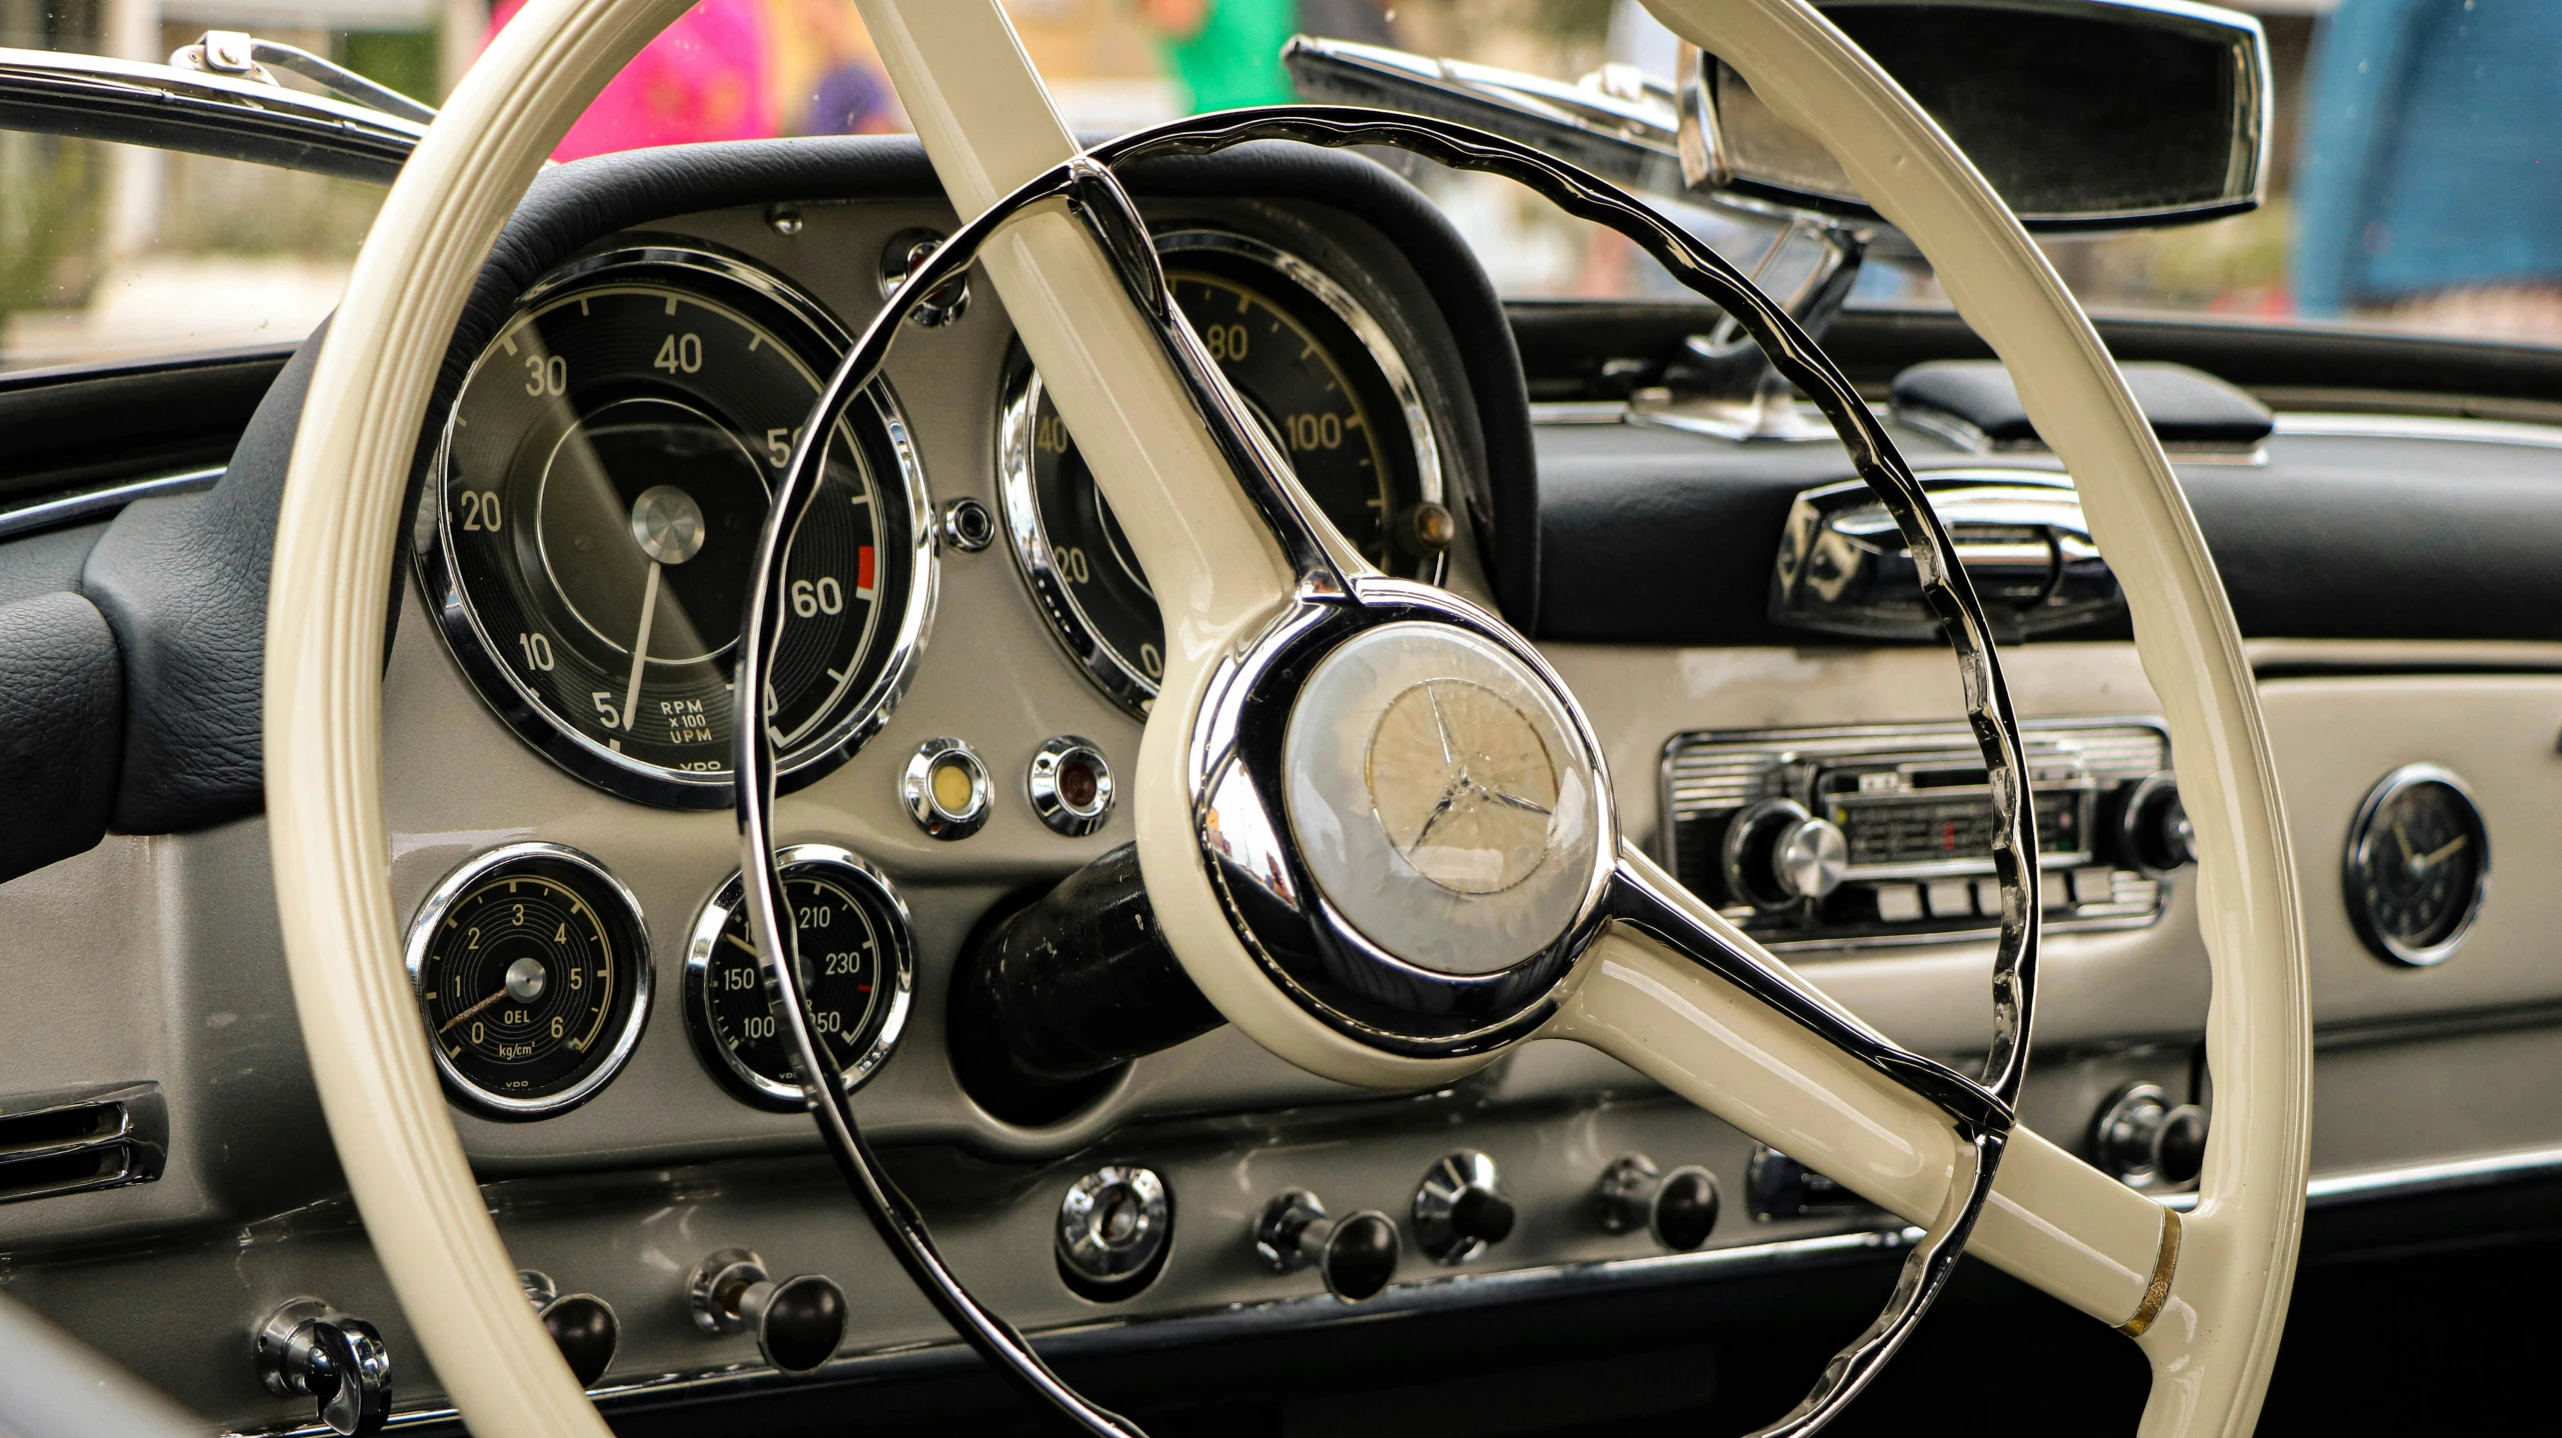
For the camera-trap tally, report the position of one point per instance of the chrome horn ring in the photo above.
(1273, 807)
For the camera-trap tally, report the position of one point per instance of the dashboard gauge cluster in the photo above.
(857, 968)
(2418, 865)
(531, 966)
(598, 493)
(1330, 388)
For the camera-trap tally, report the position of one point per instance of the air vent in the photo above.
(57, 1144)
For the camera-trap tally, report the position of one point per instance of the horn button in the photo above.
(1440, 798)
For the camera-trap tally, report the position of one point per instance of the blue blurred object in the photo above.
(2429, 160)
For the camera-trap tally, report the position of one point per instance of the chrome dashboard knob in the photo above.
(798, 1322)
(1679, 1208)
(1778, 853)
(308, 1349)
(1356, 1255)
(1460, 1209)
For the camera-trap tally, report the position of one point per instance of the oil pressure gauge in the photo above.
(858, 973)
(531, 965)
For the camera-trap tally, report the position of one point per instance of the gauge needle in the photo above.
(640, 647)
(2409, 859)
(2446, 850)
(476, 1008)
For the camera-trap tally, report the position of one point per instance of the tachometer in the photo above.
(1329, 387)
(531, 965)
(596, 503)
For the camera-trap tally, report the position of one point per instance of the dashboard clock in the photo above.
(858, 970)
(2418, 865)
(596, 500)
(531, 966)
(1330, 388)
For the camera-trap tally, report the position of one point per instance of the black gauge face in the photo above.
(1329, 389)
(2418, 863)
(855, 965)
(605, 476)
(532, 973)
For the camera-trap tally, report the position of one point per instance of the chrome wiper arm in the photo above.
(245, 57)
(136, 103)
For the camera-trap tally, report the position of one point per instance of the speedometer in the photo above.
(1326, 383)
(602, 482)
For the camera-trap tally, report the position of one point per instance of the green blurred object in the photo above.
(403, 59)
(1235, 57)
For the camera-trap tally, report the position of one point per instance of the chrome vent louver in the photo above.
(56, 1144)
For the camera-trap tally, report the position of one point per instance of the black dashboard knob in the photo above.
(1460, 1208)
(1680, 1208)
(2179, 1145)
(2154, 835)
(585, 1328)
(1481, 1215)
(1356, 1255)
(798, 1321)
(1361, 1256)
(1685, 1209)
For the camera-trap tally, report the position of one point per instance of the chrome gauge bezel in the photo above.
(523, 712)
(1020, 408)
(2353, 863)
(898, 967)
(451, 889)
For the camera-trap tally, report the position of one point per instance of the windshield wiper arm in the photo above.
(246, 57)
(163, 107)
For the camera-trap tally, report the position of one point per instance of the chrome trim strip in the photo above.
(1454, 1293)
(2418, 426)
(135, 103)
(70, 509)
(2442, 1176)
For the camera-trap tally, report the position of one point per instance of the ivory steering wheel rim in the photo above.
(2219, 1310)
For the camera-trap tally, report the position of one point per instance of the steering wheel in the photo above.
(1374, 825)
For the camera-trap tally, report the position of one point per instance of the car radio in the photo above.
(1883, 834)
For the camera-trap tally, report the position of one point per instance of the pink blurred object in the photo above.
(703, 78)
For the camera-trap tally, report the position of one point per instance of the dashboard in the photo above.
(967, 660)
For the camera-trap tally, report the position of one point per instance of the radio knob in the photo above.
(2154, 835)
(1778, 853)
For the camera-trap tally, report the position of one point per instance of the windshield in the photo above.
(2408, 183)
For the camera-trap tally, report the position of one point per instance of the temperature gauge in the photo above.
(858, 972)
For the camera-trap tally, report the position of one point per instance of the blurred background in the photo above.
(2409, 185)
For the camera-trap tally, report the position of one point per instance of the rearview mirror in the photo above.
(2084, 114)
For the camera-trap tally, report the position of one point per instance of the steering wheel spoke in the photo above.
(1678, 993)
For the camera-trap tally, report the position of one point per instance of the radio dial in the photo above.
(1778, 853)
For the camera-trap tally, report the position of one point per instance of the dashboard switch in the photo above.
(797, 1322)
(945, 788)
(308, 1349)
(1679, 1208)
(1114, 1226)
(1460, 1209)
(1356, 1255)
(2154, 835)
(582, 1324)
(2148, 1142)
(1778, 1186)
(1778, 854)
